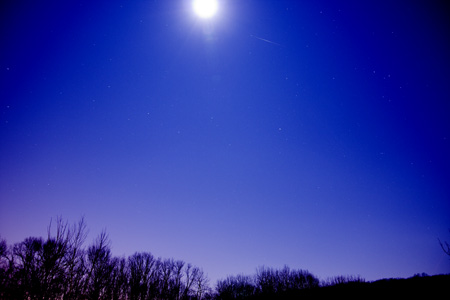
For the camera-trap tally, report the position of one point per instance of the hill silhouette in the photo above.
(428, 287)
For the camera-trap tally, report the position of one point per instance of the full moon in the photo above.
(205, 8)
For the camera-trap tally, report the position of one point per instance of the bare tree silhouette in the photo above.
(236, 287)
(445, 246)
(99, 268)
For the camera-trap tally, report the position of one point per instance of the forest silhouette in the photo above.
(62, 267)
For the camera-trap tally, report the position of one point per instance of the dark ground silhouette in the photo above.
(60, 267)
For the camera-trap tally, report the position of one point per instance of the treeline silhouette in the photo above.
(61, 267)
(266, 283)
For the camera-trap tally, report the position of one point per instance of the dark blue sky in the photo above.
(308, 133)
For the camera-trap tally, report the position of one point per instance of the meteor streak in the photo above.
(264, 40)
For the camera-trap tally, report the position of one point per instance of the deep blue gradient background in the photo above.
(325, 149)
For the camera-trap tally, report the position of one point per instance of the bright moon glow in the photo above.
(205, 8)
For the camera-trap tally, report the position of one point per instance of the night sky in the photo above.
(313, 134)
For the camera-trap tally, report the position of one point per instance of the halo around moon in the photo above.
(205, 9)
